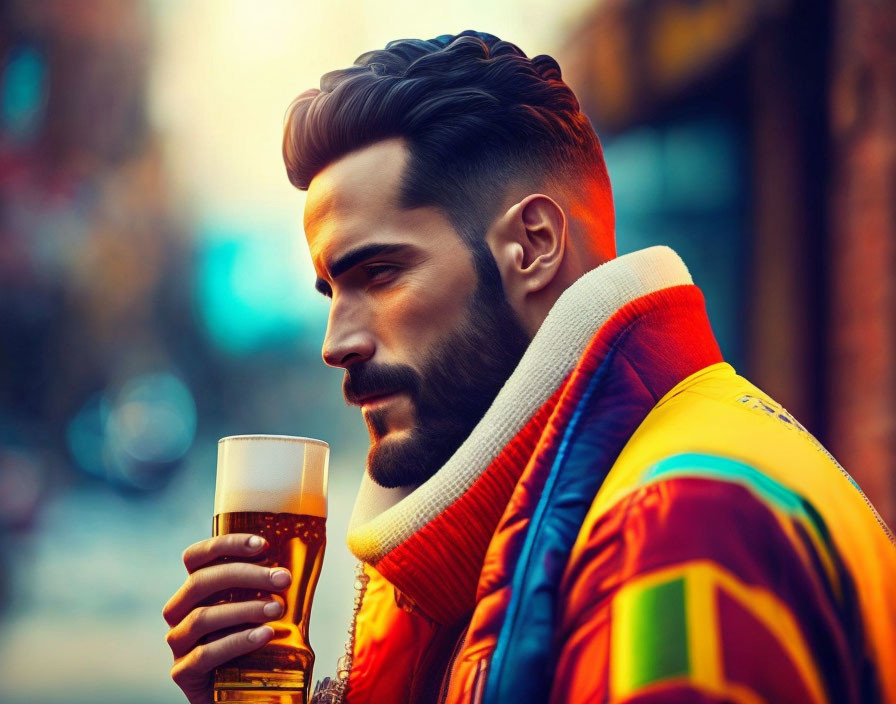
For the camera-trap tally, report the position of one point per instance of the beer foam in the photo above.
(272, 473)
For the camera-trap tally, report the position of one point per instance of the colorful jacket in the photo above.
(630, 522)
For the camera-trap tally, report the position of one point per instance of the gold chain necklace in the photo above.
(331, 690)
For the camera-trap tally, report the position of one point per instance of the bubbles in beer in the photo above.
(295, 542)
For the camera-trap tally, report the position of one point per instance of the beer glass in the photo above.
(274, 486)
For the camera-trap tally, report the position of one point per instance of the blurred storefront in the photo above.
(758, 137)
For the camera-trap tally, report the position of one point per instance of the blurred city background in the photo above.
(155, 291)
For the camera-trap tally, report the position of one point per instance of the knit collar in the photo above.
(384, 518)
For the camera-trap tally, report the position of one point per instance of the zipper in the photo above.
(449, 671)
(479, 681)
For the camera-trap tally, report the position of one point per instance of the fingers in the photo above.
(192, 673)
(209, 580)
(191, 623)
(207, 619)
(229, 545)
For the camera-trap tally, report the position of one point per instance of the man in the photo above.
(570, 496)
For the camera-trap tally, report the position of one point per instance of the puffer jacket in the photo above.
(647, 526)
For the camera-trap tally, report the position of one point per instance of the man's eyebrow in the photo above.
(355, 257)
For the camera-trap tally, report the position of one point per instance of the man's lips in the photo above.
(377, 401)
(372, 400)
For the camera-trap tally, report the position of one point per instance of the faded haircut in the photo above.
(476, 113)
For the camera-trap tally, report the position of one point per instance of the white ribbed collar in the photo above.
(384, 518)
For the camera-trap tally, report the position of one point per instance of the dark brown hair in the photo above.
(475, 111)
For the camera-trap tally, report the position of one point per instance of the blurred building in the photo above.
(758, 137)
(96, 341)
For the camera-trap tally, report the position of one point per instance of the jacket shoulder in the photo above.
(735, 479)
(692, 574)
(717, 412)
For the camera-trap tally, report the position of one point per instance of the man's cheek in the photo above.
(425, 316)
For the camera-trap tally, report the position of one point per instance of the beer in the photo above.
(275, 487)
(296, 542)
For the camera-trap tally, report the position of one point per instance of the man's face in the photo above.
(425, 345)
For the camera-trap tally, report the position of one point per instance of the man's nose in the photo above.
(348, 340)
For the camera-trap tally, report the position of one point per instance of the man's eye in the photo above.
(380, 272)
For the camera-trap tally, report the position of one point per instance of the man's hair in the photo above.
(476, 114)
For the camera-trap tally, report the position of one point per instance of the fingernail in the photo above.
(272, 609)
(255, 542)
(280, 578)
(257, 635)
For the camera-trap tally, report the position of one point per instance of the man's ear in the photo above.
(528, 242)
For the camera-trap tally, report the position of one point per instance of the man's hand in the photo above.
(192, 614)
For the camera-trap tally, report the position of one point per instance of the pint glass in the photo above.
(274, 486)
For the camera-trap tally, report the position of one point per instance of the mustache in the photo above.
(363, 380)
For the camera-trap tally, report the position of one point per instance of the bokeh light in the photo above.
(23, 92)
(252, 291)
(135, 438)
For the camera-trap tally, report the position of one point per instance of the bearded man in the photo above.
(570, 496)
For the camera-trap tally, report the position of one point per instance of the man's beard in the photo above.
(449, 396)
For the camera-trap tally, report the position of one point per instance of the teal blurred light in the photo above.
(136, 437)
(701, 167)
(685, 167)
(684, 182)
(23, 93)
(251, 291)
(86, 435)
(153, 419)
(635, 162)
